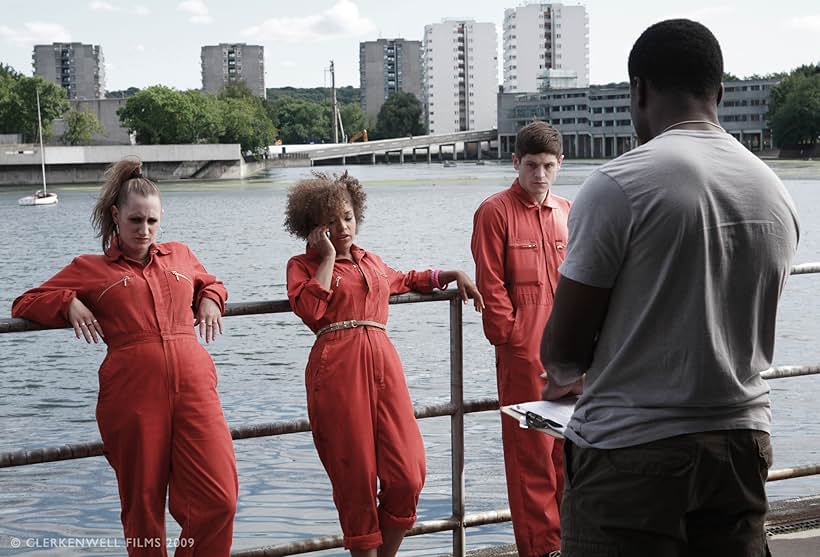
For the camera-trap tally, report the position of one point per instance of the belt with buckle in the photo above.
(352, 324)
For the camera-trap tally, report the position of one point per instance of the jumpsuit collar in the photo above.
(356, 253)
(525, 198)
(114, 253)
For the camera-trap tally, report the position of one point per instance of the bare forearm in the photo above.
(324, 273)
(446, 277)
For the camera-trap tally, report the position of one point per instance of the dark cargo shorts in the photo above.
(701, 494)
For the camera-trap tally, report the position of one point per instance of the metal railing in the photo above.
(456, 408)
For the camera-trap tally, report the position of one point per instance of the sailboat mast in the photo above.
(333, 107)
(42, 152)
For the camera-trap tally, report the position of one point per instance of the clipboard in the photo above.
(547, 416)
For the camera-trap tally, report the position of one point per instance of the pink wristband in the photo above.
(436, 282)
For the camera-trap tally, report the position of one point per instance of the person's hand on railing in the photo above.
(466, 287)
(84, 322)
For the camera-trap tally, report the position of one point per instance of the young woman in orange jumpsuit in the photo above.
(158, 411)
(519, 240)
(358, 403)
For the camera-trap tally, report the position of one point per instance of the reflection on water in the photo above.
(418, 216)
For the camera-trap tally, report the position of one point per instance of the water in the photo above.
(418, 216)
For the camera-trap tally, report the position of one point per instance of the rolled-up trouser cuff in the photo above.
(361, 543)
(389, 521)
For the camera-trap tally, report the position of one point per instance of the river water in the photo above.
(418, 216)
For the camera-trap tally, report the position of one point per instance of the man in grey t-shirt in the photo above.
(678, 252)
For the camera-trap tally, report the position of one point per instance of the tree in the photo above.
(18, 104)
(208, 121)
(162, 115)
(81, 126)
(245, 118)
(400, 116)
(123, 94)
(794, 108)
(300, 121)
(237, 90)
(8, 71)
(344, 95)
(246, 123)
(730, 77)
(353, 118)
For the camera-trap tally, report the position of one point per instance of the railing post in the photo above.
(457, 424)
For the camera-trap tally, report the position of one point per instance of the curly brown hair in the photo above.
(316, 200)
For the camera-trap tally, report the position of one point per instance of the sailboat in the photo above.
(40, 197)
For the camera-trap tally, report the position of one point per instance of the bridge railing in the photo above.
(456, 408)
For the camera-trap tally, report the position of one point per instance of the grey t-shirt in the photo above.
(695, 237)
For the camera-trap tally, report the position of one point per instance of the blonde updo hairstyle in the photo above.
(121, 180)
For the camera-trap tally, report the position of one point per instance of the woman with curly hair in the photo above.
(360, 411)
(158, 411)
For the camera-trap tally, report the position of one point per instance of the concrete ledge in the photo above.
(20, 164)
(106, 154)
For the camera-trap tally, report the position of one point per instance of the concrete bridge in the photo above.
(470, 140)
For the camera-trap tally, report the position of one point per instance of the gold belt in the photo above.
(339, 325)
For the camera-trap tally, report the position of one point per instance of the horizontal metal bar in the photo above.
(794, 472)
(331, 542)
(805, 268)
(25, 457)
(781, 372)
(86, 450)
(15, 325)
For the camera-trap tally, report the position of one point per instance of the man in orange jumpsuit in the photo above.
(519, 240)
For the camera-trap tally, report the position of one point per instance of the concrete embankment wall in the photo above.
(20, 164)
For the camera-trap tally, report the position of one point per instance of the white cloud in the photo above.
(197, 9)
(341, 20)
(806, 22)
(36, 32)
(100, 6)
(139, 9)
(288, 63)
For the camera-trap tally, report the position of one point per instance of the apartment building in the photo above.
(459, 75)
(546, 46)
(228, 63)
(387, 66)
(78, 68)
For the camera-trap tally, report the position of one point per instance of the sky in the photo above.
(149, 42)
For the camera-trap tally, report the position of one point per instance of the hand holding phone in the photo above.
(319, 239)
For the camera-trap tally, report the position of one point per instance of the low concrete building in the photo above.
(106, 112)
(595, 121)
(20, 164)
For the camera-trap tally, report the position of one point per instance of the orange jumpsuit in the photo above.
(158, 411)
(517, 246)
(359, 407)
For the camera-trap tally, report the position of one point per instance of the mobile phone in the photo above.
(327, 233)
